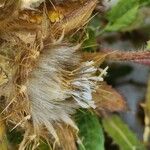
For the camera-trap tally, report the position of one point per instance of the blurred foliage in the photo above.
(14, 136)
(146, 135)
(114, 74)
(92, 31)
(125, 16)
(90, 43)
(148, 45)
(145, 2)
(44, 146)
(121, 134)
(122, 15)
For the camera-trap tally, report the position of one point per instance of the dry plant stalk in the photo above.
(139, 56)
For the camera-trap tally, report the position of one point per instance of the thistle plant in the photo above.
(46, 77)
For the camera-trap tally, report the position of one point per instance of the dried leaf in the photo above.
(108, 99)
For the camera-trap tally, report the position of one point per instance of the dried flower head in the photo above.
(43, 78)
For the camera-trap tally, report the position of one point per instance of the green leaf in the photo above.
(122, 15)
(124, 21)
(122, 7)
(121, 134)
(90, 131)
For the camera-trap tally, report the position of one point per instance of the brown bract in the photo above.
(62, 17)
(108, 99)
(67, 136)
